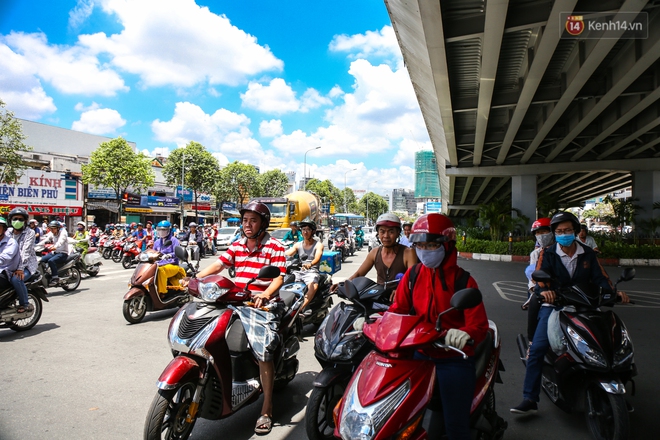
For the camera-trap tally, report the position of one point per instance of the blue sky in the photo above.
(255, 81)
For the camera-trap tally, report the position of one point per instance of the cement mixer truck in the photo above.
(292, 207)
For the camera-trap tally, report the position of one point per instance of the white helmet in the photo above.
(388, 220)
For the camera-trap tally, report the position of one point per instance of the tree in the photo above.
(238, 182)
(11, 144)
(623, 213)
(327, 191)
(497, 215)
(377, 205)
(349, 201)
(273, 183)
(199, 167)
(115, 165)
(548, 205)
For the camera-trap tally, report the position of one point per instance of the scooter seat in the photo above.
(288, 298)
(482, 354)
(92, 249)
(71, 257)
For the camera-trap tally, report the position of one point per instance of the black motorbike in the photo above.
(68, 273)
(9, 317)
(591, 360)
(340, 347)
(319, 307)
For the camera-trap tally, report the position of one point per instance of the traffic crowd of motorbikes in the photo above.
(411, 355)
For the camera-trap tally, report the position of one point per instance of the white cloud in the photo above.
(71, 70)
(224, 131)
(80, 107)
(99, 121)
(372, 43)
(270, 128)
(312, 99)
(177, 42)
(157, 152)
(80, 13)
(278, 98)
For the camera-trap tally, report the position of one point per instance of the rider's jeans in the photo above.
(456, 381)
(540, 345)
(52, 260)
(20, 288)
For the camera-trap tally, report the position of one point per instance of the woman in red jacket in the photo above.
(433, 237)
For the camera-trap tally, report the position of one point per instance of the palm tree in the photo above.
(497, 215)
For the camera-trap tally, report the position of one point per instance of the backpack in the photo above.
(460, 282)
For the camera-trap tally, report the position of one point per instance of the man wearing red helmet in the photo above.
(257, 249)
(433, 238)
(390, 259)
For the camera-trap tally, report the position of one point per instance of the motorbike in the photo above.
(68, 273)
(210, 249)
(319, 307)
(143, 296)
(118, 249)
(389, 393)
(90, 264)
(9, 304)
(107, 245)
(132, 250)
(214, 373)
(340, 244)
(339, 348)
(359, 242)
(591, 359)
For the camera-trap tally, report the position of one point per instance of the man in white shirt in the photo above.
(587, 239)
(58, 237)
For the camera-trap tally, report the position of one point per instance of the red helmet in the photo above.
(260, 209)
(388, 220)
(433, 227)
(543, 222)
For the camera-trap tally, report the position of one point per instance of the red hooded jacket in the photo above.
(430, 298)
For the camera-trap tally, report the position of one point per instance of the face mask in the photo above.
(80, 228)
(565, 240)
(431, 259)
(162, 233)
(18, 224)
(545, 240)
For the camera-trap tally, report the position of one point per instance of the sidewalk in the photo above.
(525, 259)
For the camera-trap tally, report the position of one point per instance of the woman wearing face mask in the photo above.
(81, 238)
(433, 238)
(24, 236)
(544, 238)
(168, 266)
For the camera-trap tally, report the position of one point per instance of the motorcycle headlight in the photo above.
(210, 291)
(362, 423)
(625, 351)
(590, 355)
(347, 348)
(143, 257)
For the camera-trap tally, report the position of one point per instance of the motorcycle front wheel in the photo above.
(135, 309)
(319, 423)
(107, 253)
(606, 414)
(93, 271)
(74, 280)
(27, 323)
(167, 415)
(126, 262)
(116, 256)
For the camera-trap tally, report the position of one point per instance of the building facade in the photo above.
(427, 183)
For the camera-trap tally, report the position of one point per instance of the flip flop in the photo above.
(264, 425)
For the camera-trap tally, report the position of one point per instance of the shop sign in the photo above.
(188, 195)
(228, 206)
(96, 192)
(140, 210)
(43, 188)
(160, 202)
(73, 211)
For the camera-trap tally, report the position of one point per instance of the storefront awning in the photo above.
(108, 206)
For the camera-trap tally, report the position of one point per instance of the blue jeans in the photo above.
(540, 345)
(456, 379)
(20, 288)
(52, 260)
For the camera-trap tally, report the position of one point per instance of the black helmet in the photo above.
(262, 210)
(309, 223)
(565, 216)
(18, 211)
(294, 225)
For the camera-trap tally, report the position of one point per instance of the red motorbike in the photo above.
(132, 250)
(214, 373)
(340, 244)
(118, 249)
(390, 391)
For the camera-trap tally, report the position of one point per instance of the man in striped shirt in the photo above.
(249, 254)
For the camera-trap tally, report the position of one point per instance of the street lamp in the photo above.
(345, 207)
(366, 201)
(305, 167)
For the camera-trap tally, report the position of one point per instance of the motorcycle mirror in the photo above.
(181, 253)
(269, 272)
(541, 276)
(627, 274)
(350, 289)
(465, 299)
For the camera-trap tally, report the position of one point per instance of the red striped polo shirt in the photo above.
(270, 252)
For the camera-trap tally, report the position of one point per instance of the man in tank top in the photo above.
(389, 259)
(310, 252)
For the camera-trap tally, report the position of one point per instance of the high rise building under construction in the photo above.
(427, 183)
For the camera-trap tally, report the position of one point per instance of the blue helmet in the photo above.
(164, 224)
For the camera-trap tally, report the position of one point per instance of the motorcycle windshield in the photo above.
(339, 322)
(393, 332)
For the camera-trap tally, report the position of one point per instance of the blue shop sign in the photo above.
(162, 202)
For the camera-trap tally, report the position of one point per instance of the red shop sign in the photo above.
(74, 211)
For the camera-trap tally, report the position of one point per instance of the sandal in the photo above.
(21, 309)
(264, 425)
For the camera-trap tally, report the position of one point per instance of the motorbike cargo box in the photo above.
(330, 262)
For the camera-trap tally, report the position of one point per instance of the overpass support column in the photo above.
(646, 187)
(523, 196)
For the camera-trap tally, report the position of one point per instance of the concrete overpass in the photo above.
(517, 108)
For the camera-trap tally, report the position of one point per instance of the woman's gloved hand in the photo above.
(456, 338)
